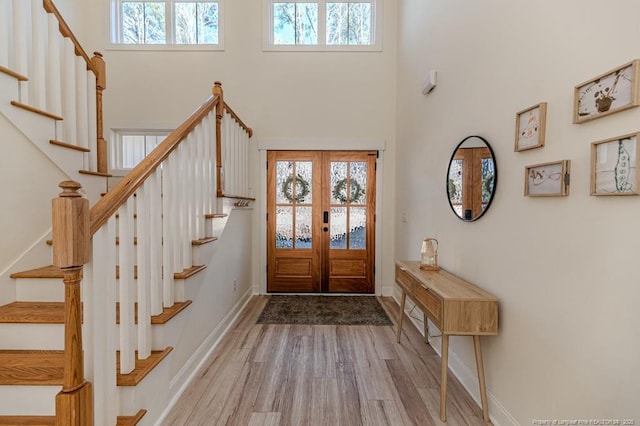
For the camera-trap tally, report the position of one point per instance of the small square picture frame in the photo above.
(614, 166)
(608, 93)
(531, 127)
(547, 179)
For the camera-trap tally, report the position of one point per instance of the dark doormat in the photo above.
(324, 310)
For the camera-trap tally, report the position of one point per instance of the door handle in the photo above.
(325, 229)
(325, 217)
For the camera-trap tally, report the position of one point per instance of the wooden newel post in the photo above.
(71, 250)
(101, 84)
(217, 91)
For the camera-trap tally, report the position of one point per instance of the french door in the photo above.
(320, 221)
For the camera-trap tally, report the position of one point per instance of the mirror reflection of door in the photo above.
(320, 221)
(470, 181)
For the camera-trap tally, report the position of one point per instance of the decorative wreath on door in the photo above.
(340, 191)
(302, 189)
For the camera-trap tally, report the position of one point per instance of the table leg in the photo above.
(426, 328)
(483, 389)
(443, 377)
(402, 303)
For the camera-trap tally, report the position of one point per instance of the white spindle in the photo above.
(69, 92)
(193, 175)
(199, 182)
(143, 225)
(236, 158)
(21, 25)
(104, 336)
(37, 90)
(155, 242)
(6, 34)
(92, 121)
(126, 286)
(169, 220)
(82, 116)
(184, 207)
(206, 186)
(54, 66)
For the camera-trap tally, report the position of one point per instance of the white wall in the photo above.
(278, 94)
(564, 269)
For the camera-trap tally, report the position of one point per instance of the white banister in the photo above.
(54, 66)
(69, 92)
(170, 221)
(6, 31)
(126, 286)
(156, 244)
(82, 117)
(144, 248)
(21, 25)
(92, 122)
(36, 70)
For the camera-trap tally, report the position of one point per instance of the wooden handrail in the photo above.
(113, 199)
(247, 129)
(66, 31)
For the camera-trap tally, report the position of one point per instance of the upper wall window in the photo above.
(150, 24)
(322, 25)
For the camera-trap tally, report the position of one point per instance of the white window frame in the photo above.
(115, 30)
(267, 36)
(115, 153)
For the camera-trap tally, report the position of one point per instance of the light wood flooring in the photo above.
(321, 375)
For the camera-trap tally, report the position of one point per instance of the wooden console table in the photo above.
(456, 307)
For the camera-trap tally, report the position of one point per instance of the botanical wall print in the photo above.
(530, 127)
(614, 166)
(547, 179)
(610, 92)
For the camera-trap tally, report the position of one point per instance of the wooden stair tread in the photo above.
(163, 318)
(15, 75)
(68, 145)
(215, 215)
(92, 173)
(142, 369)
(131, 420)
(36, 110)
(27, 420)
(44, 272)
(30, 367)
(203, 241)
(189, 272)
(32, 313)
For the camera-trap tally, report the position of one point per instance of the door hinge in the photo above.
(267, 214)
(266, 268)
(378, 154)
(374, 270)
(267, 164)
(374, 217)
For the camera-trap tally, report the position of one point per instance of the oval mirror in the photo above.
(471, 178)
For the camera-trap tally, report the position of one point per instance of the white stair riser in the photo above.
(152, 393)
(9, 88)
(28, 400)
(32, 336)
(40, 290)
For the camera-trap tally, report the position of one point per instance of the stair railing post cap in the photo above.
(70, 189)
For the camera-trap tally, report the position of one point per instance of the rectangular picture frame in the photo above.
(614, 166)
(608, 93)
(547, 179)
(531, 126)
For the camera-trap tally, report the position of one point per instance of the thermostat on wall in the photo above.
(429, 82)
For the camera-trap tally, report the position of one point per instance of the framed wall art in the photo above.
(610, 92)
(614, 166)
(547, 179)
(530, 127)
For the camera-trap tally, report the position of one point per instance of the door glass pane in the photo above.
(303, 184)
(284, 182)
(284, 227)
(338, 238)
(358, 182)
(339, 182)
(357, 228)
(303, 227)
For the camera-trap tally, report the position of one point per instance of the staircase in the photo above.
(151, 238)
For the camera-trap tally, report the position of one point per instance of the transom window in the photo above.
(129, 147)
(167, 22)
(322, 25)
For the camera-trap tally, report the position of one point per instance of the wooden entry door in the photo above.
(320, 221)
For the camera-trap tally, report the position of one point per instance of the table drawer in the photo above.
(430, 301)
(405, 280)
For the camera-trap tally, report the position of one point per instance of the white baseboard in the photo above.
(497, 412)
(185, 376)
